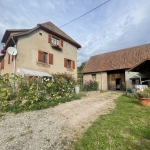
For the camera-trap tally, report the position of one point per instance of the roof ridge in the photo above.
(119, 59)
(53, 28)
(123, 49)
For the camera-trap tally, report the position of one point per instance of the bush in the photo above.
(90, 85)
(34, 93)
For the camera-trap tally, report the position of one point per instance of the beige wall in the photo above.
(129, 75)
(100, 77)
(28, 46)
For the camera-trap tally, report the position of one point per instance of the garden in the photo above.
(19, 94)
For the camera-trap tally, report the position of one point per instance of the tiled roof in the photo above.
(121, 59)
(51, 27)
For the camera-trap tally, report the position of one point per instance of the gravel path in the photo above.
(54, 128)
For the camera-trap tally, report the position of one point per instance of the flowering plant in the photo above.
(56, 46)
(91, 85)
(3, 51)
(143, 93)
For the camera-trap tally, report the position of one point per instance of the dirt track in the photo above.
(54, 128)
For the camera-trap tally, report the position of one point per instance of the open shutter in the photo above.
(73, 62)
(49, 38)
(50, 58)
(40, 56)
(65, 62)
(12, 58)
(2, 64)
(8, 58)
(62, 43)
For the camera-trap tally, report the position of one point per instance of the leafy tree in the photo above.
(80, 68)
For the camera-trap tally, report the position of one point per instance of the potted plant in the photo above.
(143, 96)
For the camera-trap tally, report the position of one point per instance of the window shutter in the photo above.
(12, 58)
(62, 43)
(49, 38)
(8, 58)
(50, 58)
(73, 64)
(2, 64)
(65, 62)
(40, 56)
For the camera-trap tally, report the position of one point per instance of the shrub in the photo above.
(35, 93)
(90, 85)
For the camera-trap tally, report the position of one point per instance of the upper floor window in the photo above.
(55, 40)
(45, 57)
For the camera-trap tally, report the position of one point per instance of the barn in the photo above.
(113, 69)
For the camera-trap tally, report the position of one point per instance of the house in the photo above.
(45, 48)
(111, 69)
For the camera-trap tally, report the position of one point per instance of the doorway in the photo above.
(118, 83)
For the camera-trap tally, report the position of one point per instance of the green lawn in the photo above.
(126, 128)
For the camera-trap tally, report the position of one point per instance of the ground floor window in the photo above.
(94, 76)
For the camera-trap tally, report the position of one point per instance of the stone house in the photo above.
(111, 69)
(45, 48)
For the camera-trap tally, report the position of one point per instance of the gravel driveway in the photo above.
(54, 128)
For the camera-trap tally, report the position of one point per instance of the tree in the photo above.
(80, 68)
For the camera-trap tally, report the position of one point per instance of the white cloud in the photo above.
(118, 24)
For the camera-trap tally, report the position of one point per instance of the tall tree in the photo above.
(80, 68)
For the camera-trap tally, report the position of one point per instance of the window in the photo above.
(135, 81)
(94, 76)
(69, 63)
(54, 40)
(44, 57)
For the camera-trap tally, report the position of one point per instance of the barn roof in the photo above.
(120, 59)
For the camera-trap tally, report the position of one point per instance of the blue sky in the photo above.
(116, 25)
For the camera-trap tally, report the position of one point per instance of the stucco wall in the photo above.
(100, 77)
(28, 46)
(8, 68)
(129, 75)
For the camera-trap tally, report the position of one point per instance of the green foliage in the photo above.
(90, 85)
(35, 93)
(143, 94)
(126, 128)
(80, 68)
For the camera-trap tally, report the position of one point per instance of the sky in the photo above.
(116, 25)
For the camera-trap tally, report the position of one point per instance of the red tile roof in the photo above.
(53, 28)
(120, 59)
(48, 26)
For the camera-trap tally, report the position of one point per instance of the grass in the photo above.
(126, 128)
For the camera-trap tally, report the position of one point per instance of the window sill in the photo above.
(57, 48)
(69, 69)
(42, 64)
